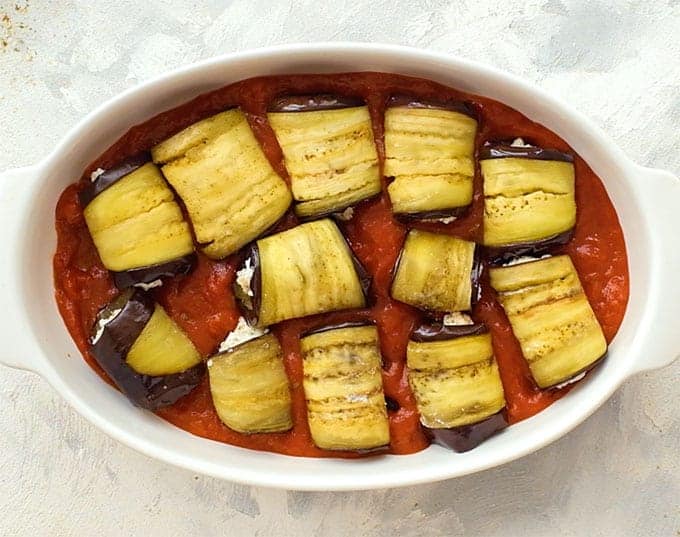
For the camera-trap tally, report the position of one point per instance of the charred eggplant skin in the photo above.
(176, 267)
(506, 150)
(440, 332)
(312, 103)
(110, 350)
(110, 176)
(407, 218)
(499, 255)
(434, 104)
(467, 437)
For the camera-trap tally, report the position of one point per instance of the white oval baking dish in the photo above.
(34, 337)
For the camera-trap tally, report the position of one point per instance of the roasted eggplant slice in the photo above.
(529, 200)
(144, 352)
(305, 270)
(343, 387)
(429, 151)
(136, 224)
(551, 317)
(437, 272)
(328, 148)
(250, 388)
(454, 377)
(230, 190)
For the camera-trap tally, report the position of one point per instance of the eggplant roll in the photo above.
(551, 317)
(145, 353)
(230, 190)
(136, 224)
(429, 151)
(328, 148)
(437, 273)
(305, 270)
(454, 377)
(343, 388)
(528, 196)
(250, 388)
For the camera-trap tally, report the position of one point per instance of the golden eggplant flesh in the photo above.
(454, 377)
(303, 271)
(329, 152)
(343, 388)
(551, 317)
(529, 199)
(136, 224)
(250, 388)
(231, 192)
(437, 272)
(429, 153)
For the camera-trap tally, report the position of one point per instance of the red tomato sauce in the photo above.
(202, 302)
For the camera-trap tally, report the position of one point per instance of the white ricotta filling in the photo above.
(524, 259)
(569, 381)
(95, 174)
(345, 215)
(244, 277)
(457, 318)
(443, 220)
(519, 142)
(151, 285)
(101, 323)
(242, 333)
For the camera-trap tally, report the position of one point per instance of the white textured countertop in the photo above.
(618, 474)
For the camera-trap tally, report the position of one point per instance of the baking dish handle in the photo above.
(18, 349)
(660, 193)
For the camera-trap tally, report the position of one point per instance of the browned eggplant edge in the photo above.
(313, 102)
(111, 176)
(175, 267)
(427, 332)
(494, 150)
(467, 437)
(116, 340)
(497, 255)
(410, 101)
(424, 216)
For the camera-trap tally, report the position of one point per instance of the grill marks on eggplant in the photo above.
(329, 152)
(529, 197)
(436, 272)
(135, 223)
(429, 151)
(456, 383)
(144, 352)
(342, 381)
(230, 190)
(303, 271)
(249, 387)
(551, 317)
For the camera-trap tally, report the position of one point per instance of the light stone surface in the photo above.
(618, 474)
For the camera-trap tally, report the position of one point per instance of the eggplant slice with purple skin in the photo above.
(346, 408)
(249, 387)
(429, 151)
(551, 317)
(144, 352)
(437, 272)
(328, 149)
(529, 199)
(303, 271)
(136, 224)
(454, 377)
(231, 192)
